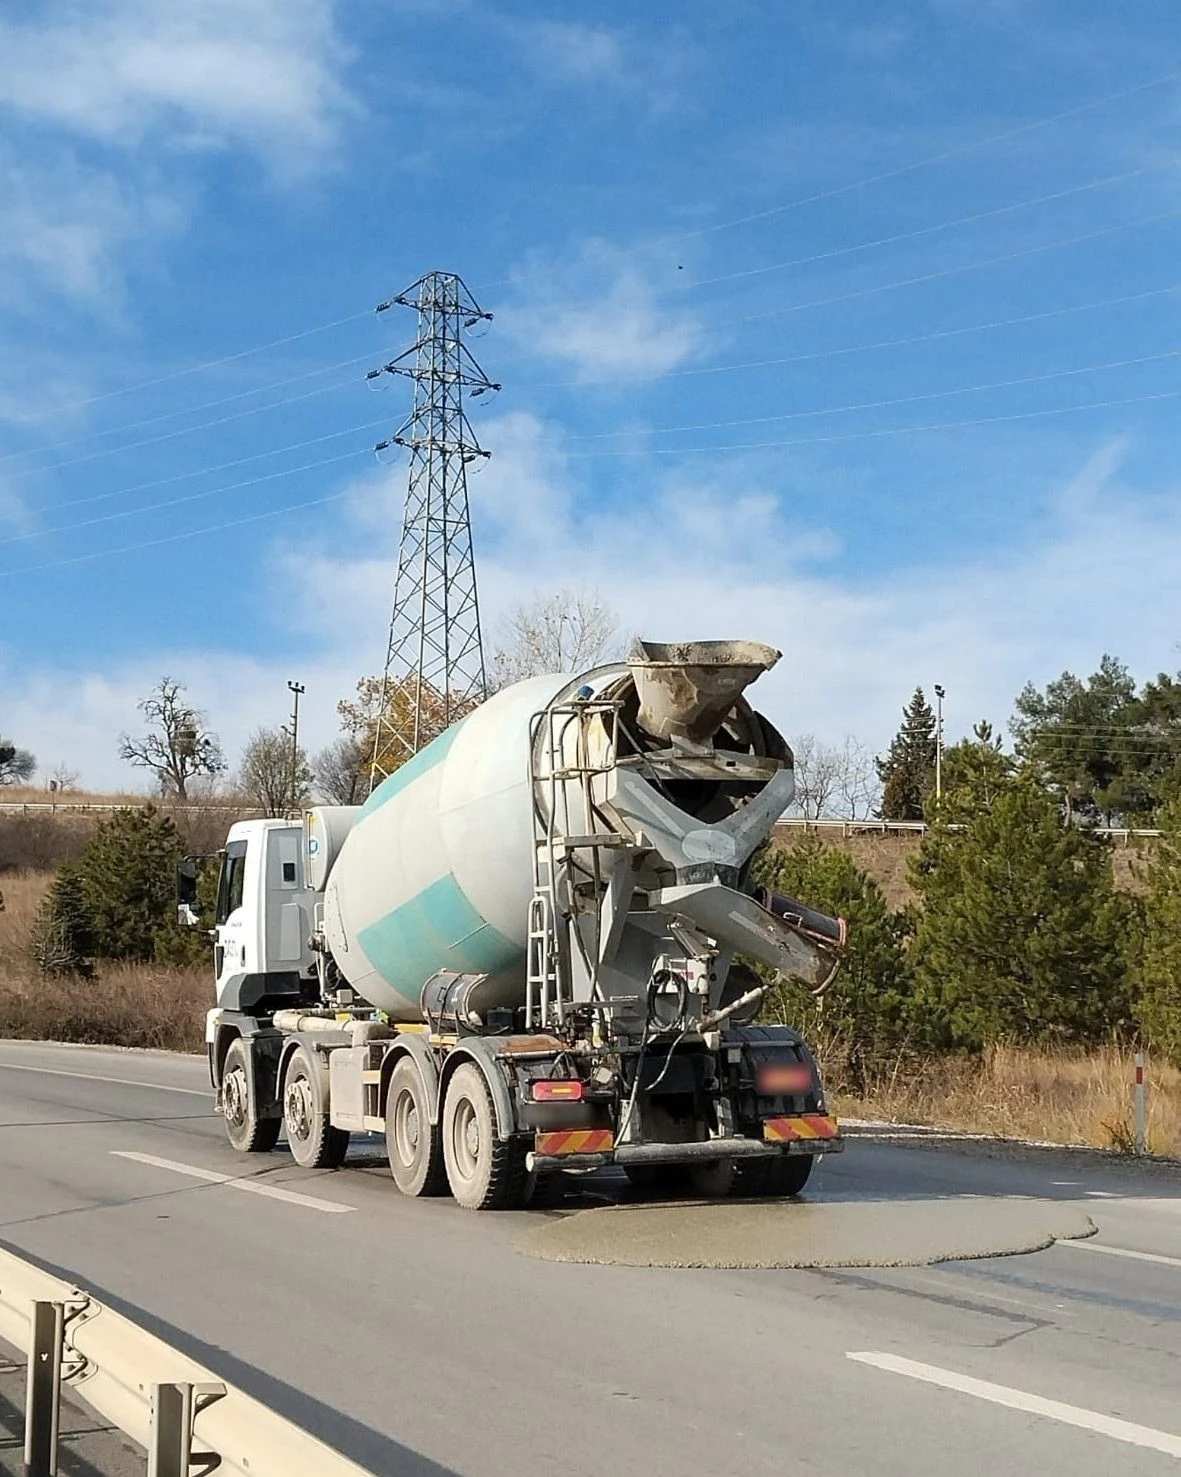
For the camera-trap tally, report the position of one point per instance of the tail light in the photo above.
(780, 1078)
(557, 1090)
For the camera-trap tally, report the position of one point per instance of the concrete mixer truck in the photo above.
(527, 951)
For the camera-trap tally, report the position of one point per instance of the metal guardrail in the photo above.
(871, 827)
(179, 1411)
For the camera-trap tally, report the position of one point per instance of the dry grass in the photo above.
(1061, 1097)
(123, 1005)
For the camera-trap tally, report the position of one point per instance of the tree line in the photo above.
(1017, 934)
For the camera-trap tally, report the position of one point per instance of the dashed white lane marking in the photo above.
(115, 1081)
(1135, 1256)
(1104, 1194)
(1055, 1410)
(232, 1182)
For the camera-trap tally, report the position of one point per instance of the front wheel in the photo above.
(484, 1171)
(313, 1142)
(246, 1131)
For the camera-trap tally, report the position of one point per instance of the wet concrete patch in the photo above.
(862, 1233)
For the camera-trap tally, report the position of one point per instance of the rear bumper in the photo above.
(811, 1134)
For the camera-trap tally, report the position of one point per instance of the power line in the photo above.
(963, 220)
(932, 159)
(238, 415)
(991, 261)
(985, 420)
(176, 374)
(891, 343)
(172, 538)
(241, 461)
(153, 420)
(791, 415)
(173, 502)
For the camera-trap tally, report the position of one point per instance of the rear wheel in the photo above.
(789, 1174)
(655, 1179)
(246, 1131)
(414, 1144)
(313, 1142)
(739, 1179)
(484, 1171)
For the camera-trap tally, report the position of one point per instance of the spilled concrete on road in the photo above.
(754, 1234)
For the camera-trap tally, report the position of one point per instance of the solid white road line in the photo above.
(1055, 1410)
(116, 1081)
(1135, 1256)
(250, 1185)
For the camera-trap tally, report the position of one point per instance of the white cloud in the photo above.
(681, 556)
(260, 72)
(599, 314)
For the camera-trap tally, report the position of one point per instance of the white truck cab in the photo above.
(264, 919)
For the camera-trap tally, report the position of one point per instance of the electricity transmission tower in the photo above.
(434, 669)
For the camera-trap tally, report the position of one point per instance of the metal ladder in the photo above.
(557, 779)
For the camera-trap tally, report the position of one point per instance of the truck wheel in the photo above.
(740, 1179)
(313, 1142)
(246, 1131)
(789, 1174)
(414, 1144)
(484, 1172)
(655, 1179)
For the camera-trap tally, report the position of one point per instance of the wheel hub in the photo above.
(233, 1096)
(297, 1107)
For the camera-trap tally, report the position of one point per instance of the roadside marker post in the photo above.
(1141, 1107)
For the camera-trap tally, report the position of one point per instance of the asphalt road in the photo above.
(415, 1336)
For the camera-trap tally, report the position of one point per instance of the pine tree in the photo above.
(62, 939)
(867, 1007)
(1021, 933)
(1158, 966)
(908, 770)
(128, 874)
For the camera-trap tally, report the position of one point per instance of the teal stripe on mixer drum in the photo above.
(421, 763)
(438, 929)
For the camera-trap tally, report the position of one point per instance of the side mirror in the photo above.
(186, 893)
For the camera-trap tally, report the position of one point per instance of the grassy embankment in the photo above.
(1055, 1096)
(125, 1004)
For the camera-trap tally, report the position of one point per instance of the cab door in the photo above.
(230, 937)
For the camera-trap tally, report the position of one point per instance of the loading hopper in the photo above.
(686, 688)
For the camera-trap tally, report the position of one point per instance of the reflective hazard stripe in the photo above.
(576, 1141)
(809, 1126)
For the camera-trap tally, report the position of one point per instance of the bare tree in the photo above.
(342, 771)
(16, 765)
(834, 781)
(63, 779)
(177, 747)
(565, 631)
(268, 774)
(359, 718)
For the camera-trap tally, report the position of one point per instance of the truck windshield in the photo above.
(231, 881)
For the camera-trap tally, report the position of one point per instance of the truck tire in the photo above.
(736, 1179)
(789, 1174)
(313, 1142)
(246, 1131)
(655, 1179)
(414, 1144)
(484, 1171)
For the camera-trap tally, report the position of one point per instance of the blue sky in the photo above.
(836, 330)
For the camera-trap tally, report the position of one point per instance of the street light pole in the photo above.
(297, 689)
(939, 695)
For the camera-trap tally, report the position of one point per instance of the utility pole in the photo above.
(297, 690)
(434, 668)
(939, 695)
